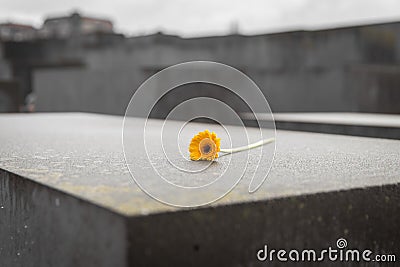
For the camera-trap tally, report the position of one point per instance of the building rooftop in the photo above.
(78, 15)
(17, 25)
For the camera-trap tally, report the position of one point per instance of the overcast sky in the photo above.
(208, 17)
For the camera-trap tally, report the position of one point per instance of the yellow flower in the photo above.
(204, 146)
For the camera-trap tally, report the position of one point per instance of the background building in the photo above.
(17, 32)
(73, 26)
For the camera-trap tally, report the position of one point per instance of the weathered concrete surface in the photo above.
(358, 124)
(40, 226)
(63, 176)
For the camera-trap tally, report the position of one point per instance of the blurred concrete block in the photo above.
(358, 124)
(9, 96)
(67, 199)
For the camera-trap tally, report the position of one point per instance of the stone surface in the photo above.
(63, 176)
(358, 124)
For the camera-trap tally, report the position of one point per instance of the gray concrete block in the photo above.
(358, 124)
(67, 199)
(9, 96)
(351, 69)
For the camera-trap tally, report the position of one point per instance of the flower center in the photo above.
(207, 147)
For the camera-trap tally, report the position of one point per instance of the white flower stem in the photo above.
(251, 146)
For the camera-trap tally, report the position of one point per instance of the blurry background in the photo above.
(305, 55)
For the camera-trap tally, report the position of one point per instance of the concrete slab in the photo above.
(358, 124)
(63, 176)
